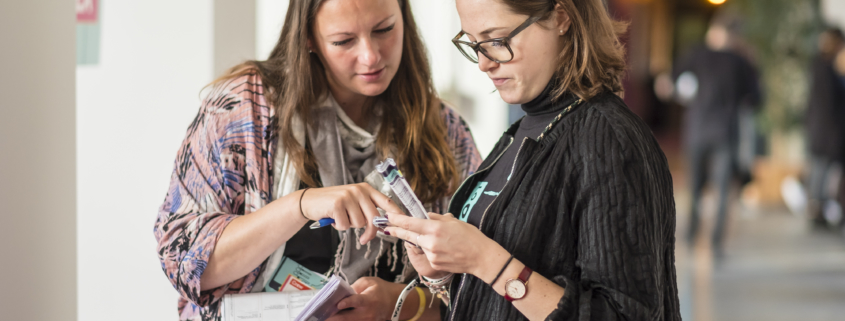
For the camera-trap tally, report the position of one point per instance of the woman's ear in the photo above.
(562, 21)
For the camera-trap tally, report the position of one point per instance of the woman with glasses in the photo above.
(295, 138)
(571, 216)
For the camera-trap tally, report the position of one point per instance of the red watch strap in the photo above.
(525, 274)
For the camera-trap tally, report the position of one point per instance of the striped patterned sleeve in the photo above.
(220, 172)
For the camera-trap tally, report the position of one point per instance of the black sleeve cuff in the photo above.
(567, 308)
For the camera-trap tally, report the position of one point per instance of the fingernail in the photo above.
(411, 243)
(386, 233)
(385, 216)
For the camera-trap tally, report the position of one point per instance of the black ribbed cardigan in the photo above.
(591, 208)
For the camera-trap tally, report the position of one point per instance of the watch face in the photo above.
(515, 289)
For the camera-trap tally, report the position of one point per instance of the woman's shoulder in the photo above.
(455, 124)
(460, 138)
(231, 94)
(607, 117)
(238, 98)
(233, 106)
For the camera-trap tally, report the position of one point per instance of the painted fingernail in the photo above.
(386, 233)
(385, 216)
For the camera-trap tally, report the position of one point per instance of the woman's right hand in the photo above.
(351, 205)
(421, 263)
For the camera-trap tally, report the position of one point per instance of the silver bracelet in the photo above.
(439, 287)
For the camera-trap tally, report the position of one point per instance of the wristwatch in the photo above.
(515, 289)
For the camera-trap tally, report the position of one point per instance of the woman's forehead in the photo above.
(479, 17)
(339, 16)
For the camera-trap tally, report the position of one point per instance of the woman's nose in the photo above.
(485, 64)
(369, 54)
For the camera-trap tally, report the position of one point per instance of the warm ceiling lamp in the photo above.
(717, 1)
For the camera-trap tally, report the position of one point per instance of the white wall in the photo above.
(133, 110)
(269, 17)
(37, 161)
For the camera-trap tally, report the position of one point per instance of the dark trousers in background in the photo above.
(713, 159)
(822, 188)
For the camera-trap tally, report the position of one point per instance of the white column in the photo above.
(234, 33)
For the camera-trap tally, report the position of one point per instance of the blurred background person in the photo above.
(714, 81)
(825, 132)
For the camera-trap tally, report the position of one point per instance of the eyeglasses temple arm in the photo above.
(523, 26)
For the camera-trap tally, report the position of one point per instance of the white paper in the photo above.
(265, 306)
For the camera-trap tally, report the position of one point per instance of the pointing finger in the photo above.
(383, 201)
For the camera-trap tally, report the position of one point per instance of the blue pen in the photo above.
(322, 222)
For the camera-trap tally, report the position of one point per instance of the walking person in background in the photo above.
(292, 139)
(825, 124)
(714, 82)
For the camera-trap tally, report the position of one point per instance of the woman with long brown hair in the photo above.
(571, 217)
(294, 138)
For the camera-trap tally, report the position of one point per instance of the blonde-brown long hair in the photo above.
(412, 128)
(593, 58)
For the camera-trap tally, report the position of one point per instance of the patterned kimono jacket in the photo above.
(223, 170)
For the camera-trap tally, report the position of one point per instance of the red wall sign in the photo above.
(86, 11)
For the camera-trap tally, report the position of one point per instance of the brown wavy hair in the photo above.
(593, 58)
(412, 129)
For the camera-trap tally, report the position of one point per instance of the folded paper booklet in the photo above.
(324, 304)
(290, 288)
(265, 306)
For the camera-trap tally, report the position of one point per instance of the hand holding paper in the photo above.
(324, 304)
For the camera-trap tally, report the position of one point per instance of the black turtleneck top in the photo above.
(539, 113)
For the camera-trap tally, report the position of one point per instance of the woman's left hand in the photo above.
(449, 244)
(373, 301)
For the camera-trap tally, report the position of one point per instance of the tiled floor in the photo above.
(775, 268)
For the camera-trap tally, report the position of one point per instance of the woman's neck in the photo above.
(354, 105)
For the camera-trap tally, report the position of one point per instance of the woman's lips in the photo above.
(372, 76)
(499, 81)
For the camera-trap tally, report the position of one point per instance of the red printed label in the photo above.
(86, 11)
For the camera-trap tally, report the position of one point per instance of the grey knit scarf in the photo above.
(346, 154)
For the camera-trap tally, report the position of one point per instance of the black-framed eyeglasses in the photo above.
(496, 49)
